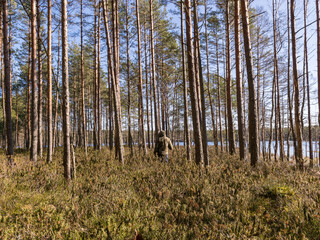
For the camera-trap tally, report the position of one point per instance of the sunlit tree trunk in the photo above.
(156, 115)
(95, 85)
(192, 85)
(34, 101)
(56, 114)
(218, 90)
(276, 74)
(214, 127)
(185, 90)
(318, 63)
(140, 84)
(4, 144)
(40, 138)
(99, 108)
(147, 91)
(239, 81)
(299, 159)
(7, 81)
(65, 93)
(288, 82)
(49, 154)
(201, 96)
(128, 82)
(28, 125)
(307, 78)
(253, 121)
(113, 69)
(83, 113)
(232, 147)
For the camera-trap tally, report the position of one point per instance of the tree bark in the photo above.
(193, 90)
(28, 124)
(99, 109)
(253, 123)
(7, 81)
(219, 97)
(34, 101)
(65, 94)
(84, 124)
(128, 82)
(156, 115)
(49, 154)
(308, 86)
(299, 159)
(95, 85)
(185, 90)
(318, 63)
(115, 84)
(239, 81)
(201, 96)
(214, 128)
(4, 145)
(147, 91)
(40, 139)
(232, 147)
(289, 85)
(140, 84)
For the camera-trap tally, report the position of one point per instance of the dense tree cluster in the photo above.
(114, 73)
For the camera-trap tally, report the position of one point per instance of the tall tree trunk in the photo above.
(4, 145)
(232, 147)
(193, 90)
(185, 90)
(84, 128)
(147, 91)
(128, 82)
(289, 85)
(308, 86)
(140, 84)
(239, 81)
(218, 90)
(17, 116)
(299, 159)
(276, 74)
(318, 63)
(95, 85)
(99, 109)
(55, 131)
(40, 139)
(49, 154)
(7, 81)
(156, 115)
(65, 94)
(115, 83)
(271, 117)
(214, 127)
(201, 96)
(28, 124)
(34, 101)
(253, 121)
(258, 90)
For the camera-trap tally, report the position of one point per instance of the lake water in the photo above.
(305, 146)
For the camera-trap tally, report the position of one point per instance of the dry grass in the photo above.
(229, 200)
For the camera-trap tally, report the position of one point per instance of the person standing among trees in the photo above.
(162, 146)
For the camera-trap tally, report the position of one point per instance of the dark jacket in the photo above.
(163, 144)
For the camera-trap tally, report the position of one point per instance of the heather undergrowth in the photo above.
(175, 200)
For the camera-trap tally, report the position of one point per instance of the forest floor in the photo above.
(175, 200)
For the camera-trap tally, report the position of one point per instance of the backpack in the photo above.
(161, 146)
